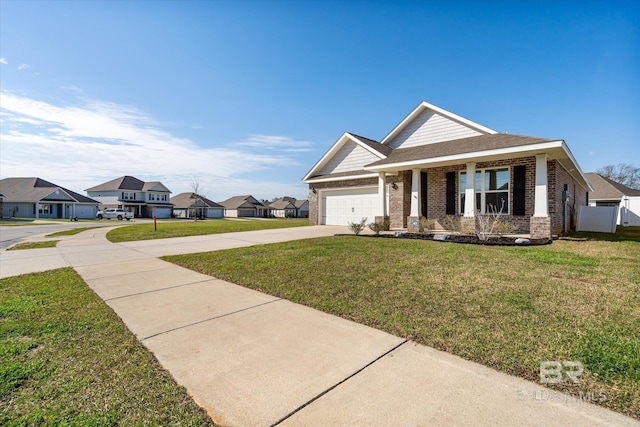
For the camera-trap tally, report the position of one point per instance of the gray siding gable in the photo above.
(430, 127)
(350, 157)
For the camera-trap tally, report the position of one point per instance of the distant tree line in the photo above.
(623, 173)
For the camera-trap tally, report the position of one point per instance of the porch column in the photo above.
(382, 194)
(470, 191)
(416, 206)
(541, 208)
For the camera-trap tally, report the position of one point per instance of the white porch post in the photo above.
(470, 191)
(416, 206)
(541, 208)
(382, 194)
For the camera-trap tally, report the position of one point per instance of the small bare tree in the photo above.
(197, 190)
(489, 223)
(357, 227)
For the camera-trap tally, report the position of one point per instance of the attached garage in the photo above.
(339, 207)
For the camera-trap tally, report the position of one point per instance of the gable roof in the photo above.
(33, 190)
(370, 145)
(300, 203)
(426, 106)
(188, 200)
(129, 183)
(607, 189)
(247, 201)
(282, 204)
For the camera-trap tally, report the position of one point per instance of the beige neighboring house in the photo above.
(36, 198)
(289, 207)
(2, 197)
(610, 193)
(144, 199)
(244, 206)
(435, 163)
(283, 208)
(189, 205)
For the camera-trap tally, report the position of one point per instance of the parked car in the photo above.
(116, 213)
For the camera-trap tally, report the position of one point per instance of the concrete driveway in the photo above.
(252, 359)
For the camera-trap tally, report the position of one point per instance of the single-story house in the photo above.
(36, 198)
(244, 206)
(2, 197)
(420, 169)
(144, 199)
(610, 193)
(283, 208)
(190, 205)
(302, 208)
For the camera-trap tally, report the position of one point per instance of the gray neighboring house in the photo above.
(144, 199)
(36, 198)
(245, 206)
(187, 205)
(302, 208)
(610, 193)
(290, 207)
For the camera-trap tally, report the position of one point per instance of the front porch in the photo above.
(518, 189)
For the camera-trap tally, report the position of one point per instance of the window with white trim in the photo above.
(128, 196)
(492, 189)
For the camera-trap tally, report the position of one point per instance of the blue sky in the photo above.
(245, 96)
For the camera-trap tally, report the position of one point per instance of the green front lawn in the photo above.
(509, 308)
(70, 232)
(34, 245)
(197, 228)
(67, 359)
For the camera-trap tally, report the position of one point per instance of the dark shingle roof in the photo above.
(34, 189)
(604, 188)
(238, 201)
(383, 149)
(459, 146)
(188, 200)
(123, 183)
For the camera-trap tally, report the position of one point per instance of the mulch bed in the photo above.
(455, 238)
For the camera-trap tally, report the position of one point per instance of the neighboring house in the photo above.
(302, 208)
(610, 193)
(420, 169)
(144, 199)
(187, 205)
(2, 197)
(244, 206)
(283, 208)
(37, 198)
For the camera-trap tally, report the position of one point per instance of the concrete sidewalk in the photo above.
(252, 359)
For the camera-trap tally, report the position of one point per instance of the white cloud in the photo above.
(87, 144)
(72, 88)
(23, 67)
(280, 143)
(3, 61)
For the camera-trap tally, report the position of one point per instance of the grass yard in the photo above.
(67, 359)
(71, 231)
(197, 228)
(509, 308)
(34, 245)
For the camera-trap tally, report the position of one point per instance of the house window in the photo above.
(128, 196)
(44, 209)
(492, 190)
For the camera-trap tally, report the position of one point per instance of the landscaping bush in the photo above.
(380, 225)
(357, 227)
(427, 225)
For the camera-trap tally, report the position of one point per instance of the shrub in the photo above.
(488, 223)
(427, 225)
(357, 227)
(380, 225)
(451, 223)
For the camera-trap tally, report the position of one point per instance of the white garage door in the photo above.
(339, 207)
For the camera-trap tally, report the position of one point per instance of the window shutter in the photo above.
(519, 192)
(451, 193)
